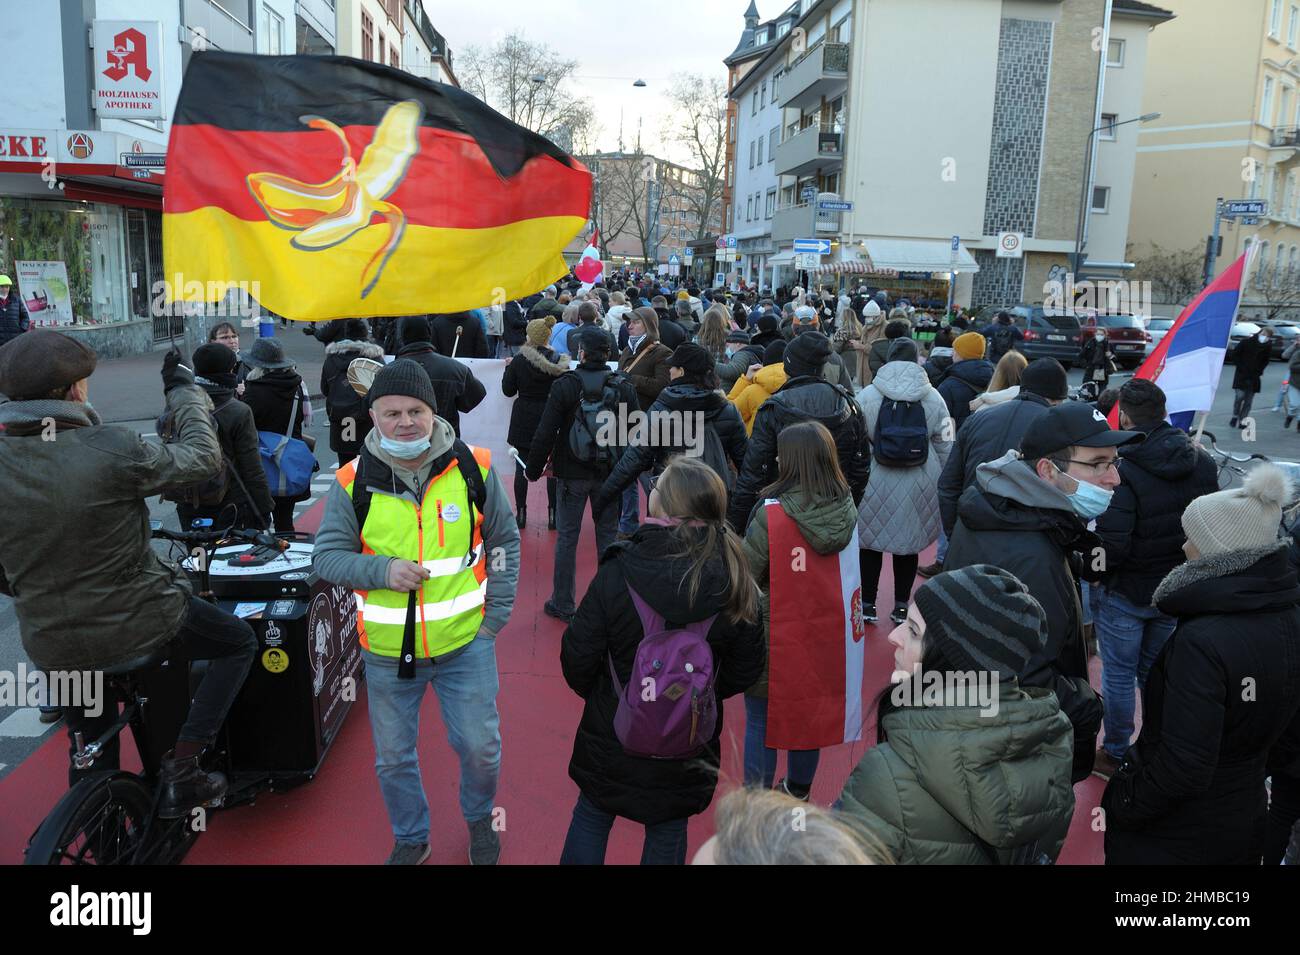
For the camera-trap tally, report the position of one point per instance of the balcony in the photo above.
(811, 149)
(821, 71)
(796, 222)
(1285, 136)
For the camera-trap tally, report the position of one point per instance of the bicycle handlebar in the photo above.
(261, 538)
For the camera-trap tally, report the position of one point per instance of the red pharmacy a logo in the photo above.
(859, 625)
(129, 49)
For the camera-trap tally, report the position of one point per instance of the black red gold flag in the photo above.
(345, 188)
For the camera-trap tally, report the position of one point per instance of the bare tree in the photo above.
(1175, 274)
(626, 184)
(528, 83)
(613, 198)
(697, 122)
(1276, 293)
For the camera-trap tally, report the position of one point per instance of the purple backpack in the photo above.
(668, 709)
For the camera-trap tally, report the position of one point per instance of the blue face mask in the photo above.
(404, 450)
(1088, 500)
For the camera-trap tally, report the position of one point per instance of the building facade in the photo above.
(988, 136)
(1227, 91)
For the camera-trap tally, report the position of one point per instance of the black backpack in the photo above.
(902, 439)
(209, 492)
(715, 456)
(1004, 339)
(599, 397)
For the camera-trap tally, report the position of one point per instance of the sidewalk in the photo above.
(130, 389)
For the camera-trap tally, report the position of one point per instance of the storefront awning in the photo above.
(98, 191)
(917, 255)
(785, 257)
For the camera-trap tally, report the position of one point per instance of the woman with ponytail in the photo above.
(686, 566)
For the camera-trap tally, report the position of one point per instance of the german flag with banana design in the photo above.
(344, 188)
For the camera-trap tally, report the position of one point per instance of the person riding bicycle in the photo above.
(88, 589)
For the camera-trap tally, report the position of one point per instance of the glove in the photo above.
(174, 374)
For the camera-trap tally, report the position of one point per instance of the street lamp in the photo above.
(1084, 199)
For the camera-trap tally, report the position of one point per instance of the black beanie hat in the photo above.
(902, 349)
(214, 358)
(768, 323)
(1046, 378)
(414, 328)
(691, 358)
(982, 618)
(774, 353)
(356, 330)
(806, 353)
(404, 377)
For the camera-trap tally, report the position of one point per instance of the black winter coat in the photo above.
(1142, 530)
(454, 385)
(551, 439)
(645, 790)
(1040, 546)
(1251, 358)
(271, 398)
(1191, 790)
(571, 340)
(473, 340)
(936, 367)
(1002, 339)
(801, 399)
(341, 401)
(514, 323)
(964, 380)
(652, 455)
(237, 435)
(671, 333)
(528, 379)
(985, 437)
(14, 319)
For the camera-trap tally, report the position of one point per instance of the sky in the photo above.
(615, 42)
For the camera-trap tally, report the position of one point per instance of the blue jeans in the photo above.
(665, 842)
(571, 497)
(466, 686)
(760, 759)
(1129, 638)
(629, 519)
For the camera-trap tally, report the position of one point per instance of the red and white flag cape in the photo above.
(815, 656)
(589, 268)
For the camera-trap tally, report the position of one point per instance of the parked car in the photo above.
(1048, 333)
(1126, 333)
(1284, 334)
(1240, 332)
(1156, 329)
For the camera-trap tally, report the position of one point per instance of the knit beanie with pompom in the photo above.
(1241, 518)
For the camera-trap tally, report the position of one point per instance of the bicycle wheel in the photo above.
(100, 821)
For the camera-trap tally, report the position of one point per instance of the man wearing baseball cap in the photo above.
(88, 589)
(1028, 513)
(419, 526)
(14, 319)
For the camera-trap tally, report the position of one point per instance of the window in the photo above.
(1255, 168)
(770, 206)
(1275, 20)
(1101, 198)
(1284, 105)
(392, 57)
(272, 26)
(1291, 264)
(773, 138)
(783, 29)
(1266, 104)
(1261, 269)
(751, 154)
(1115, 53)
(760, 38)
(1278, 275)
(1108, 126)
(367, 37)
(762, 95)
(760, 150)
(749, 208)
(753, 109)
(1288, 197)
(1292, 24)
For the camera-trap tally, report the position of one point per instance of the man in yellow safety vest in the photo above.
(420, 528)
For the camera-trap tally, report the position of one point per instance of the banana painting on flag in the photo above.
(345, 188)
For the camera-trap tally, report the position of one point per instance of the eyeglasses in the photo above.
(1097, 468)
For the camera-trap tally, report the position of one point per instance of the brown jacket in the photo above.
(75, 550)
(648, 370)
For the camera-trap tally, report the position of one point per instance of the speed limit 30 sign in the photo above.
(1010, 245)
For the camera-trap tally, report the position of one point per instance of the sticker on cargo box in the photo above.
(275, 660)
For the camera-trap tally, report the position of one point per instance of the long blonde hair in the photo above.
(713, 332)
(1007, 373)
(755, 827)
(691, 491)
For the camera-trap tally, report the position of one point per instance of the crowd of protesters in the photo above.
(854, 421)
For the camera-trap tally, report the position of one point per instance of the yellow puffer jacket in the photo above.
(747, 395)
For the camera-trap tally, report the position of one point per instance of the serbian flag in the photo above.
(589, 268)
(346, 188)
(1188, 362)
(815, 652)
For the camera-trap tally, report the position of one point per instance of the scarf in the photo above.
(229, 380)
(26, 418)
(634, 342)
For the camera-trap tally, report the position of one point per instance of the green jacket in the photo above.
(88, 589)
(946, 772)
(827, 525)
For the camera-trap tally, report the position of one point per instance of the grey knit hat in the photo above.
(1242, 518)
(407, 378)
(982, 618)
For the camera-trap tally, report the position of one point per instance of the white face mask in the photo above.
(1100, 336)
